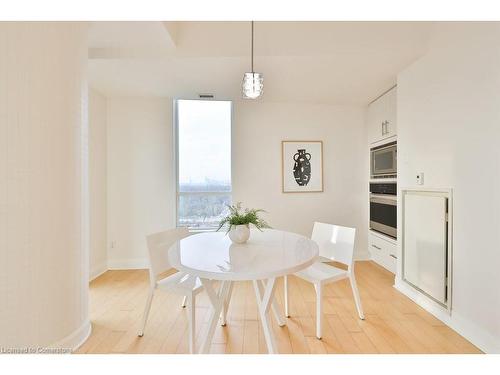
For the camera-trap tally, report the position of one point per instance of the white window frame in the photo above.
(175, 129)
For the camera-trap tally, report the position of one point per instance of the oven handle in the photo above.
(384, 199)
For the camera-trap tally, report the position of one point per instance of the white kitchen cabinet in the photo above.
(374, 122)
(391, 125)
(383, 251)
(381, 117)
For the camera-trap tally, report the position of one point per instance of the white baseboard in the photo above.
(483, 339)
(362, 255)
(128, 264)
(476, 335)
(75, 339)
(98, 270)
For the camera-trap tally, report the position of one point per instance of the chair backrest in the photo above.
(335, 242)
(158, 246)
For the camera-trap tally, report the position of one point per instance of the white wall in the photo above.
(43, 185)
(258, 130)
(98, 183)
(141, 188)
(141, 179)
(449, 128)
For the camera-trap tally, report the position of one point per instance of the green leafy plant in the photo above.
(239, 216)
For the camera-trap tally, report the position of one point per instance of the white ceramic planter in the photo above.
(239, 233)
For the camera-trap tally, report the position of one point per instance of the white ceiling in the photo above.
(323, 62)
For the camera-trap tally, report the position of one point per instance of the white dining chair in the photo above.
(179, 283)
(336, 243)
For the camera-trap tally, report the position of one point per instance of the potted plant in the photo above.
(238, 222)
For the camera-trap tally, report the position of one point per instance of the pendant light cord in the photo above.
(252, 46)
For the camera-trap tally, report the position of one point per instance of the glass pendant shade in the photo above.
(252, 85)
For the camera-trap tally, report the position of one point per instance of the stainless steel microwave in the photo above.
(383, 161)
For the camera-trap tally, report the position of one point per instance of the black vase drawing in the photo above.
(302, 167)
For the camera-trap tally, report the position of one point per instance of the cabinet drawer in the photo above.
(383, 252)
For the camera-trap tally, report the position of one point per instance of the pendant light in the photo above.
(253, 83)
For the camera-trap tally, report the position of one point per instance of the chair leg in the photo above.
(285, 286)
(191, 310)
(319, 309)
(184, 300)
(357, 300)
(146, 312)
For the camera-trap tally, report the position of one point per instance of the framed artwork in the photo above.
(302, 166)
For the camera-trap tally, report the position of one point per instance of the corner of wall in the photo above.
(98, 270)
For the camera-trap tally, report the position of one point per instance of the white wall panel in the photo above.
(43, 151)
(448, 128)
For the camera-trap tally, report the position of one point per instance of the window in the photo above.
(203, 135)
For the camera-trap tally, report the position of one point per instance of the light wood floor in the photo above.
(394, 324)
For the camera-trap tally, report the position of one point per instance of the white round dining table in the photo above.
(268, 254)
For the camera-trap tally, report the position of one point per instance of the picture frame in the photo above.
(302, 166)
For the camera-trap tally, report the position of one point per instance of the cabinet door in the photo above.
(381, 117)
(374, 120)
(425, 246)
(390, 115)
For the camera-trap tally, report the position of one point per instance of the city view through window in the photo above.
(204, 162)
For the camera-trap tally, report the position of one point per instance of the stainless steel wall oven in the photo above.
(383, 208)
